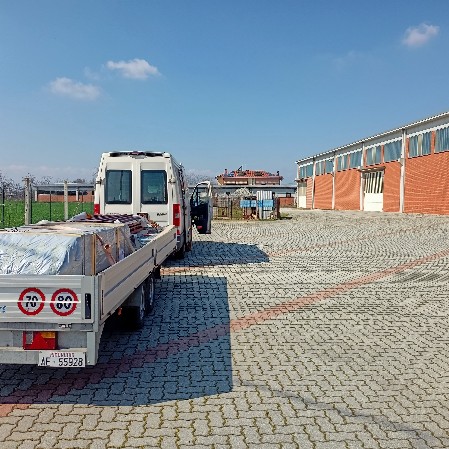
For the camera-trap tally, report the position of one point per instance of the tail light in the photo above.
(96, 208)
(39, 340)
(177, 216)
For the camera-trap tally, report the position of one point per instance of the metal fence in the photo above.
(30, 205)
(245, 208)
(227, 208)
(27, 206)
(2, 205)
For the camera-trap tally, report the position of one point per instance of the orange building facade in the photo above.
(402, 170)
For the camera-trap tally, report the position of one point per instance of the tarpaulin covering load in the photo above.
(63, 248)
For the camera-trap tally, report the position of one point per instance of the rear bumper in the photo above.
(12, 351)
(19, 356)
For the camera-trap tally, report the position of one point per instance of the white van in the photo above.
(150, 184)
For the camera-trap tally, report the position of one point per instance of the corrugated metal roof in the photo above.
(386, 133)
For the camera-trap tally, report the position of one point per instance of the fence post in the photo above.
(66, 201)
(27, 182)
(3, 206)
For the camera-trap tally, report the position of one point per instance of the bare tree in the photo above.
(195, 176)
(11, 188)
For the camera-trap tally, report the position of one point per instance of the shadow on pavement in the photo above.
(220, 253)
(183, 352)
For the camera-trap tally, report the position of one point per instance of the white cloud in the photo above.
(135, 68)
(68, 88)
(419, 35)
(350, 58)
(90, 74)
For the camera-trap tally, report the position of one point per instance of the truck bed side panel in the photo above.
(120, 280)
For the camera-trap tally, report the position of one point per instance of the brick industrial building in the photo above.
(401, 170)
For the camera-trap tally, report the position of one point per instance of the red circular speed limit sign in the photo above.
(64, 302)
(31, 301)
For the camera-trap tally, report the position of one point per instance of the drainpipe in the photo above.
(402, 179)
(362, 179)
(333, 180)
(313, 184)
(297, 185)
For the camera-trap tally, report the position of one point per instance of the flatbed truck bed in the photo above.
(57, 320)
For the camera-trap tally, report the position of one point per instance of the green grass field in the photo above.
(13, 212)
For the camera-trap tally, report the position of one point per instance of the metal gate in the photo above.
(373, 191)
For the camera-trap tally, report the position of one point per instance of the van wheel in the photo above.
(180, 254)
(149, 294)
(189, 245)
(136, 314)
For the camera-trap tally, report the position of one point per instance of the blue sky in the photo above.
(219, 84)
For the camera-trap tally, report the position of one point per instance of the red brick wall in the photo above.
(286, 202)
(427, 184)
(323, 192)
(309, 193)
(45, 198)
(347, 190)
(392, 182)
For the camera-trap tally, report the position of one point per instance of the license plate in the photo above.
(62, 359)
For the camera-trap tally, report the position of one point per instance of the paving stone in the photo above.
(328, 330)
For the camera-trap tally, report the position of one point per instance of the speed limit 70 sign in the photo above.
(31, 301)
(64, 302)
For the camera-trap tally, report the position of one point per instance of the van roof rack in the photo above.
(136, 153)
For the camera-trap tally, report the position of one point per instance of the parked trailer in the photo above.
(57, 320)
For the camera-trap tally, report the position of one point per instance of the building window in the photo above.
(342, 162)
(392, 151)
(306, 171)
(442, 140)
(373, 155)
(319, 167)
(329, 166)
(419, 145)
(355, 159)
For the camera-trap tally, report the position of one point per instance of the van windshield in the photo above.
(153, 186)
(118, 187)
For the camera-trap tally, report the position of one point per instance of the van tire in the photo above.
(181, 253)
(149, 294)
(135, 315)
(189, 243)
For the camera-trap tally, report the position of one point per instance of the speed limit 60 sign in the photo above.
(64, 302)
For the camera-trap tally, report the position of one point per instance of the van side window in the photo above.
(153, 187)
(118, 187)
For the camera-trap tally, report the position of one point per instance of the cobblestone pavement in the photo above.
(326, 330)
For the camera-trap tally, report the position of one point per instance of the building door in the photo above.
(301, 192)
(373, 191)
